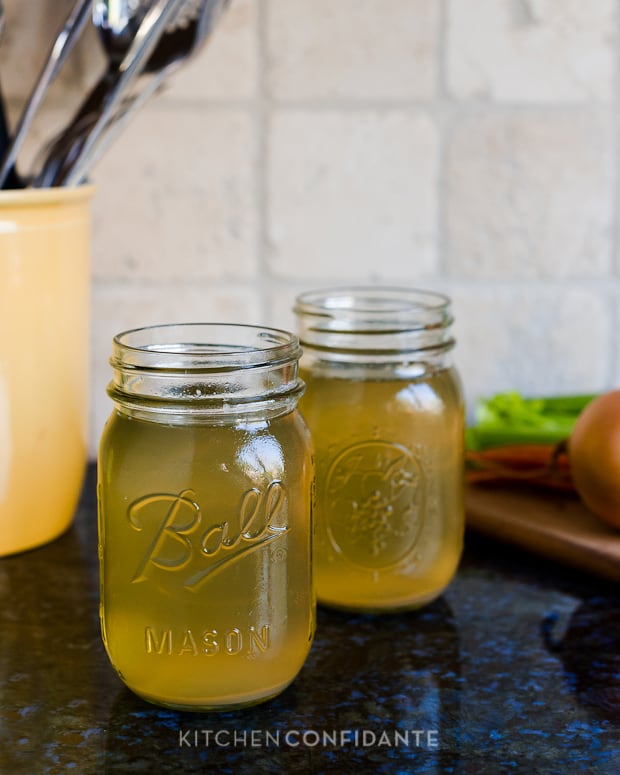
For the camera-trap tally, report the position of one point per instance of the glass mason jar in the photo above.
(205, 484)
(386, 412)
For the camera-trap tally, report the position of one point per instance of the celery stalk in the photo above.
(510, 418)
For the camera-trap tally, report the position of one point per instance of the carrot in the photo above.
(541, 464)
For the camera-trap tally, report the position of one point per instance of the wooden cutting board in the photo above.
(554, 525)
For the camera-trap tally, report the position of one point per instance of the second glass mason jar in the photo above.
(386, 412)
(205, 485)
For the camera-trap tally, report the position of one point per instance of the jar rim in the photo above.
(203, 346)
(377, 306)
(399, 298)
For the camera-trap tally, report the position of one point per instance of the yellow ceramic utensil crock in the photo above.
(44, 338)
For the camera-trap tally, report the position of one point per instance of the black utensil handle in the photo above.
(12, 179)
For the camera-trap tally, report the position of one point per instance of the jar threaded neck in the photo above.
(378, 321)
(206, 369)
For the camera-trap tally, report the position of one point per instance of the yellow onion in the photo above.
(594, 454)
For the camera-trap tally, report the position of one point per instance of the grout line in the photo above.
(485, 284)
(613, 368)
(465, 106)
(443, 124)
(262, 156)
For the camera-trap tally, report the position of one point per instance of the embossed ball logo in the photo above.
(375, 498)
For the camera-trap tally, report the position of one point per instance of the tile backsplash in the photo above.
(468, 146)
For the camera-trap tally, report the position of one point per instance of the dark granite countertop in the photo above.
(515, 669)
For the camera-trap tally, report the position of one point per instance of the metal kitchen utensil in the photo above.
(76, 141)
(4, 132)
(117, 22)
(5, 138)
(182, 39)
(62, 47)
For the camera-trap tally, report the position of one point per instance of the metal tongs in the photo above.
(143, 43)
(145, 40)
(171, 31)
(141, 73)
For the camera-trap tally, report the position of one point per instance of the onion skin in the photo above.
(594, 455)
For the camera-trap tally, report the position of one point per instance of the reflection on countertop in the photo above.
(515, 668)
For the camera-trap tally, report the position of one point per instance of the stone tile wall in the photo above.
(468, 146)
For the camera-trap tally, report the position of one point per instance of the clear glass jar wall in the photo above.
(205, 481)
(385, 409)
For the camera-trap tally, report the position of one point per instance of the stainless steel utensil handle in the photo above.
(62, 47)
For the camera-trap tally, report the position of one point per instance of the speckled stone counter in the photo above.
(515, 669)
